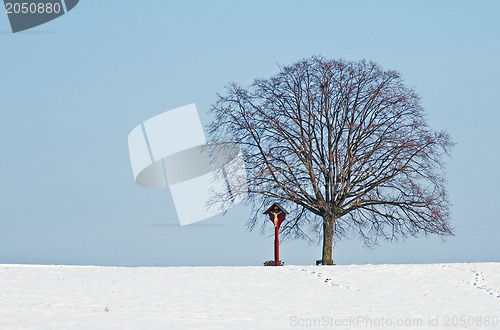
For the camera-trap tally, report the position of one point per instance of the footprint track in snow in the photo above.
(478, 283)
(329, 280)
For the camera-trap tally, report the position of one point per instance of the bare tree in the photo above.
(345, 145)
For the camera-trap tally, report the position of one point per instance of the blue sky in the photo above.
(71, 91)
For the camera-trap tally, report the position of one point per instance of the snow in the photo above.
(429, 296)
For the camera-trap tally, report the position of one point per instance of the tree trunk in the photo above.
(327, 240)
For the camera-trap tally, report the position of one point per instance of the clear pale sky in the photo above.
(71, 91)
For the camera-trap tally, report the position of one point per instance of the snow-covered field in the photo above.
(434, 296)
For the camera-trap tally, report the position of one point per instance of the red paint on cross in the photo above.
(277, 215)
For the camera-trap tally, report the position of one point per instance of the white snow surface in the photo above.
(427, 296)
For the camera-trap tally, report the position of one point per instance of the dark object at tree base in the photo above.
(273, 263)
(320, 262)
